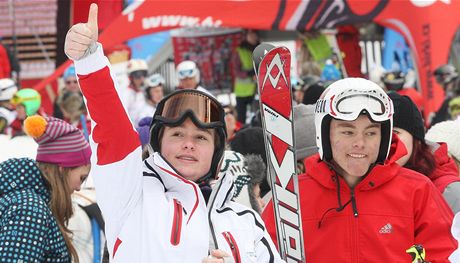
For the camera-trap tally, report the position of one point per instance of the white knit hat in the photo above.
(448, 132)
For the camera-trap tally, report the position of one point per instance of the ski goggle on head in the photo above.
(349, 102)
(186, 73)
(204, 110)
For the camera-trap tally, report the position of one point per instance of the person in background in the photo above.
(189, 76)
(133, 96)
(7, 114)
(143, 129)
(153, 94)
(9, 64)
(162, 209)
(447, 132)
(74, 111)
(245, 86)
(396, 81)
(304, 134)
(353, 191)
(231, 123)
(447, 77)
(27, 102)
(454, 108)
(428, 158)
(87, 224)
(70, 85)
(313, 88)
(36, 194)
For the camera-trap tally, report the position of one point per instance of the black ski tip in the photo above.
(259, 52)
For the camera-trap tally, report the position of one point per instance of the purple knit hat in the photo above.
(58, 142)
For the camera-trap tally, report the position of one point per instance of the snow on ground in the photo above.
(20, 146)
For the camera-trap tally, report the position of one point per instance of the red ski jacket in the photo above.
(446, 171)
(390, 210)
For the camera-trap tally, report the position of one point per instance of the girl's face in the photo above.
(77, 176)
(188, 149)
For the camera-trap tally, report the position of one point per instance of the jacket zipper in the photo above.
(233, 246)
(177, 223)
(355, 254)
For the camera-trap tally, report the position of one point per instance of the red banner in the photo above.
(428, 26)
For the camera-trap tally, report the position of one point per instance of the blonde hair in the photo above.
(60, 202)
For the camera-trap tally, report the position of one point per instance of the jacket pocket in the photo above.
(233, 246)
(177, 223)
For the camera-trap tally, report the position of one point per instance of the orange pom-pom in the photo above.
(35, 126)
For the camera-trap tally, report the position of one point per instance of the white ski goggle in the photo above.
(349, 104)
(188, 73)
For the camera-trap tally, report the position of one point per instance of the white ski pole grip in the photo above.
(272, 66)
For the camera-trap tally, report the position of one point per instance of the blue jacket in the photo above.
(28, 230)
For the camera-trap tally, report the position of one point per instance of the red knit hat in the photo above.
(58, 142)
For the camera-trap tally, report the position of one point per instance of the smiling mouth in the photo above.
(187, 158)
(357, 156)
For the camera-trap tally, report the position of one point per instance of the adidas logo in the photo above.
(386, 229)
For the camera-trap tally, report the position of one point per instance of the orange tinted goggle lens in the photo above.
(205, 109)
(18, 100)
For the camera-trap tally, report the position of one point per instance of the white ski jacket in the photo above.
(152, 214)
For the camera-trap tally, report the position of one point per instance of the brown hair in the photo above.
(61, 202)
(422, 159)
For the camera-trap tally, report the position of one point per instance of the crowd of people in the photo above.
(147, 176)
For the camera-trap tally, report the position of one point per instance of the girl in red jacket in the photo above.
(425, 157)
(357, 204)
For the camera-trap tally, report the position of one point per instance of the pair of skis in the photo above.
(272, 66)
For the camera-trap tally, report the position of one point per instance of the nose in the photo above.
(358, 141)
(188, 144)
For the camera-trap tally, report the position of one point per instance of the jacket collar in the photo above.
(175, 185)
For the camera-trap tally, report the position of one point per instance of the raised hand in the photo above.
(81, 38)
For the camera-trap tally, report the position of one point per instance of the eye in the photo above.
(347, 132)
(202, 137)
(396, 131)
(83, 178)
(371, 133)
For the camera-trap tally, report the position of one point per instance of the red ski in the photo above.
(272, 67)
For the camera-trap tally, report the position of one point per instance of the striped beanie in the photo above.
(58, 142)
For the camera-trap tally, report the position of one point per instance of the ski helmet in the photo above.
(204, 111)
(30, 98)
(393, 80)
(346, 99)
(137, 65)
(188, 69)
(7, 89)
(445, 74)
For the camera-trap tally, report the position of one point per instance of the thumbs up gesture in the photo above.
(81, 38)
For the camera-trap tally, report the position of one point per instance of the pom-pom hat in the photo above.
(58, 142)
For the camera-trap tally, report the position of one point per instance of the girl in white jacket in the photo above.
(162, 209)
